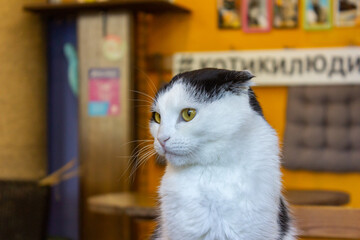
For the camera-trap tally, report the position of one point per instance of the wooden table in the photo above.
(143, 206)
(132, 204)
(318, 213)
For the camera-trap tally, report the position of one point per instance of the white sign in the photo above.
(281, 67)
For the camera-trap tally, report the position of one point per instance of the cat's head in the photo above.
(198, 114)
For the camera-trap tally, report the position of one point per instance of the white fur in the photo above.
(222, 181)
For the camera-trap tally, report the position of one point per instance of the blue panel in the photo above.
(98, 108)
(62, 130)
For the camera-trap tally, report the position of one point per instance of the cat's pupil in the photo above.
(189, 113)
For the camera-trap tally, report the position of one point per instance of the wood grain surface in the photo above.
(104, 147)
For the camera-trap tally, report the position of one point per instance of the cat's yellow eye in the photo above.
(188, 114)
(156, 117)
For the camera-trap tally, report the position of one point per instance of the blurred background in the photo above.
(77, 78)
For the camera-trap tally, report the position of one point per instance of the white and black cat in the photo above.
(222, 180)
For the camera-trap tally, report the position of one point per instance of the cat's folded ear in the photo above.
(244, 76)
(242, 79)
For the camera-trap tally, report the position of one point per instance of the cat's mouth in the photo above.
(168, 152)
(172, 153)
(171, 150)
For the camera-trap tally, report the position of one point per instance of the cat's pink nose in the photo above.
(162, 140)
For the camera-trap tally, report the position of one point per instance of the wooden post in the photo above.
(103, 139)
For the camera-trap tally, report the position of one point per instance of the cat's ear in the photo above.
(242, 79)
(244, 76)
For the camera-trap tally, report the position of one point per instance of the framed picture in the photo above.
(345, 12)
(285, 13)
(229, 14)
(317, 14)
(256, 15)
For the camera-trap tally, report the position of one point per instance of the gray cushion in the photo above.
(323, 129)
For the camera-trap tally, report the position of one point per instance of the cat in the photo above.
(223, 179)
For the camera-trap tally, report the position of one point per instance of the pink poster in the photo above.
(104, 91)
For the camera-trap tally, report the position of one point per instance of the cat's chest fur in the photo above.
(214, 203)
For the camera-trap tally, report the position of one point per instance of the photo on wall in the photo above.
(256, 15)
(317, 14)
(229, 14)
(285, 13)
(345, 12)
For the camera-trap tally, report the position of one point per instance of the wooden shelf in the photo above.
(150, 6)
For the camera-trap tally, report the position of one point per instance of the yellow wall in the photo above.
(22, 93)
(199, 32)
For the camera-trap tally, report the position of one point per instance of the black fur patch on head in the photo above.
(210, 84)
(283, 219)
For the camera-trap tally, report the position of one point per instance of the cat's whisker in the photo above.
(143, 104)
(135, 141)
(141, 161)
(138, 106)
(140, 100)
(133, 165)
(143, 141)
(137, 147)
(124, 157)
(144, 161)
(140, 151)
(146, 156)
(148, 105)
(153, 88)
(142, 155)
(134, 154)
(131, 162)
(144, 94)
(130, 157)
(148, 79)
